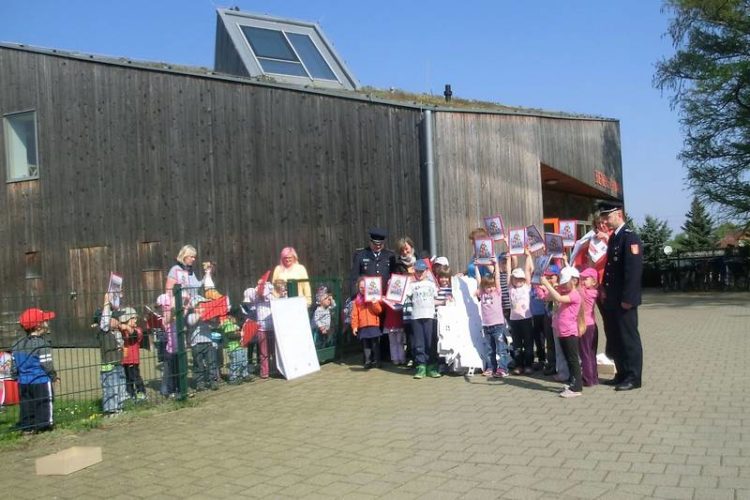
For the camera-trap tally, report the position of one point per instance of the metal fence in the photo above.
(699, 273)
(76, 342)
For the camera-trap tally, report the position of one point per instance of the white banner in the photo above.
(460, 328)
(295, 350)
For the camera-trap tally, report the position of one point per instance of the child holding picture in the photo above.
(567, 320)
(494, 328)
(366, 326)
(421, 295)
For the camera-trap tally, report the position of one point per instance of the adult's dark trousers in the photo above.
(423, 341)
(36, 406)
(570, 349)
(523, 338)
(624, 343)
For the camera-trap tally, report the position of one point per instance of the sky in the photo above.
(581, 56)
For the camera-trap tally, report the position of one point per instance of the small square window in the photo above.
(20, 146)
(33, 265)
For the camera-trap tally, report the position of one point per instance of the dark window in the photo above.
(269, 44)
(311, 57)
(33, 265)
(151, 256)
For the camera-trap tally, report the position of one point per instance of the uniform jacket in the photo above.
(622, 273)
(365, 263)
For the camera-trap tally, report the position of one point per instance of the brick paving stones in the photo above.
(349, 433)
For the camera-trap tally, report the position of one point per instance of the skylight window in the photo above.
(287, 50)
(285, 53)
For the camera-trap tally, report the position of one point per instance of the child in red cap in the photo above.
(35, 372)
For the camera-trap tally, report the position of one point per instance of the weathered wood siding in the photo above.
(490, 164)
(132, 157)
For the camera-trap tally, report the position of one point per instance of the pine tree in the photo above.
(698, 228)
(654, 234)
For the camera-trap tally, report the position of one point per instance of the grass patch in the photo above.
(73, 416)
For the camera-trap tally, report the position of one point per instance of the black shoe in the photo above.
(550, 370)
(613, 381)
(628, 386)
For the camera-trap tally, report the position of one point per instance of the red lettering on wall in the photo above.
(601, 179)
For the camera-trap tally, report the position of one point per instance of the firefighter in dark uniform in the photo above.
(621, 292)
(375, 260)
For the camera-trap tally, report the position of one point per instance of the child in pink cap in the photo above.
(590, 338)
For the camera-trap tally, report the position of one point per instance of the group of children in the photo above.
(558, 312)
(556, 316)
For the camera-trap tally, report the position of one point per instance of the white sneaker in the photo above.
(564, 388)
(567, 393)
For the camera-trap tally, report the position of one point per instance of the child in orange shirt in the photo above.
(366, 326)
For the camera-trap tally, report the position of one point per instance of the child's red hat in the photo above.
(32, 318)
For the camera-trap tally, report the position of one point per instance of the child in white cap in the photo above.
(568, 320)
(521, 322)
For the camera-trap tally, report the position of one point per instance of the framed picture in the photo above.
(534, 239)
(597, 249)
(568, 232)
(495, 227)
(540, 265)
(114, 289)
(517, 241)
(373, 288)
(397, 288)
(484, 250)
(554, 243)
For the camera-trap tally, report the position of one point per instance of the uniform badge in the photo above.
(634, 249)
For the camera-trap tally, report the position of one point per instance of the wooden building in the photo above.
(121, 163)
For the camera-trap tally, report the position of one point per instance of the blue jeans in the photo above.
(113, 389)
(497, 345)
(423, 341)
(204, 365)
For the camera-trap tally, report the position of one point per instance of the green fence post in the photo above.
(292, 288)
(179, 321)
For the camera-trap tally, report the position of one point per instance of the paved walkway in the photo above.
(354, 434)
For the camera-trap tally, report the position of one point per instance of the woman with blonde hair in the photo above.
(183, 274)
(289, 268)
